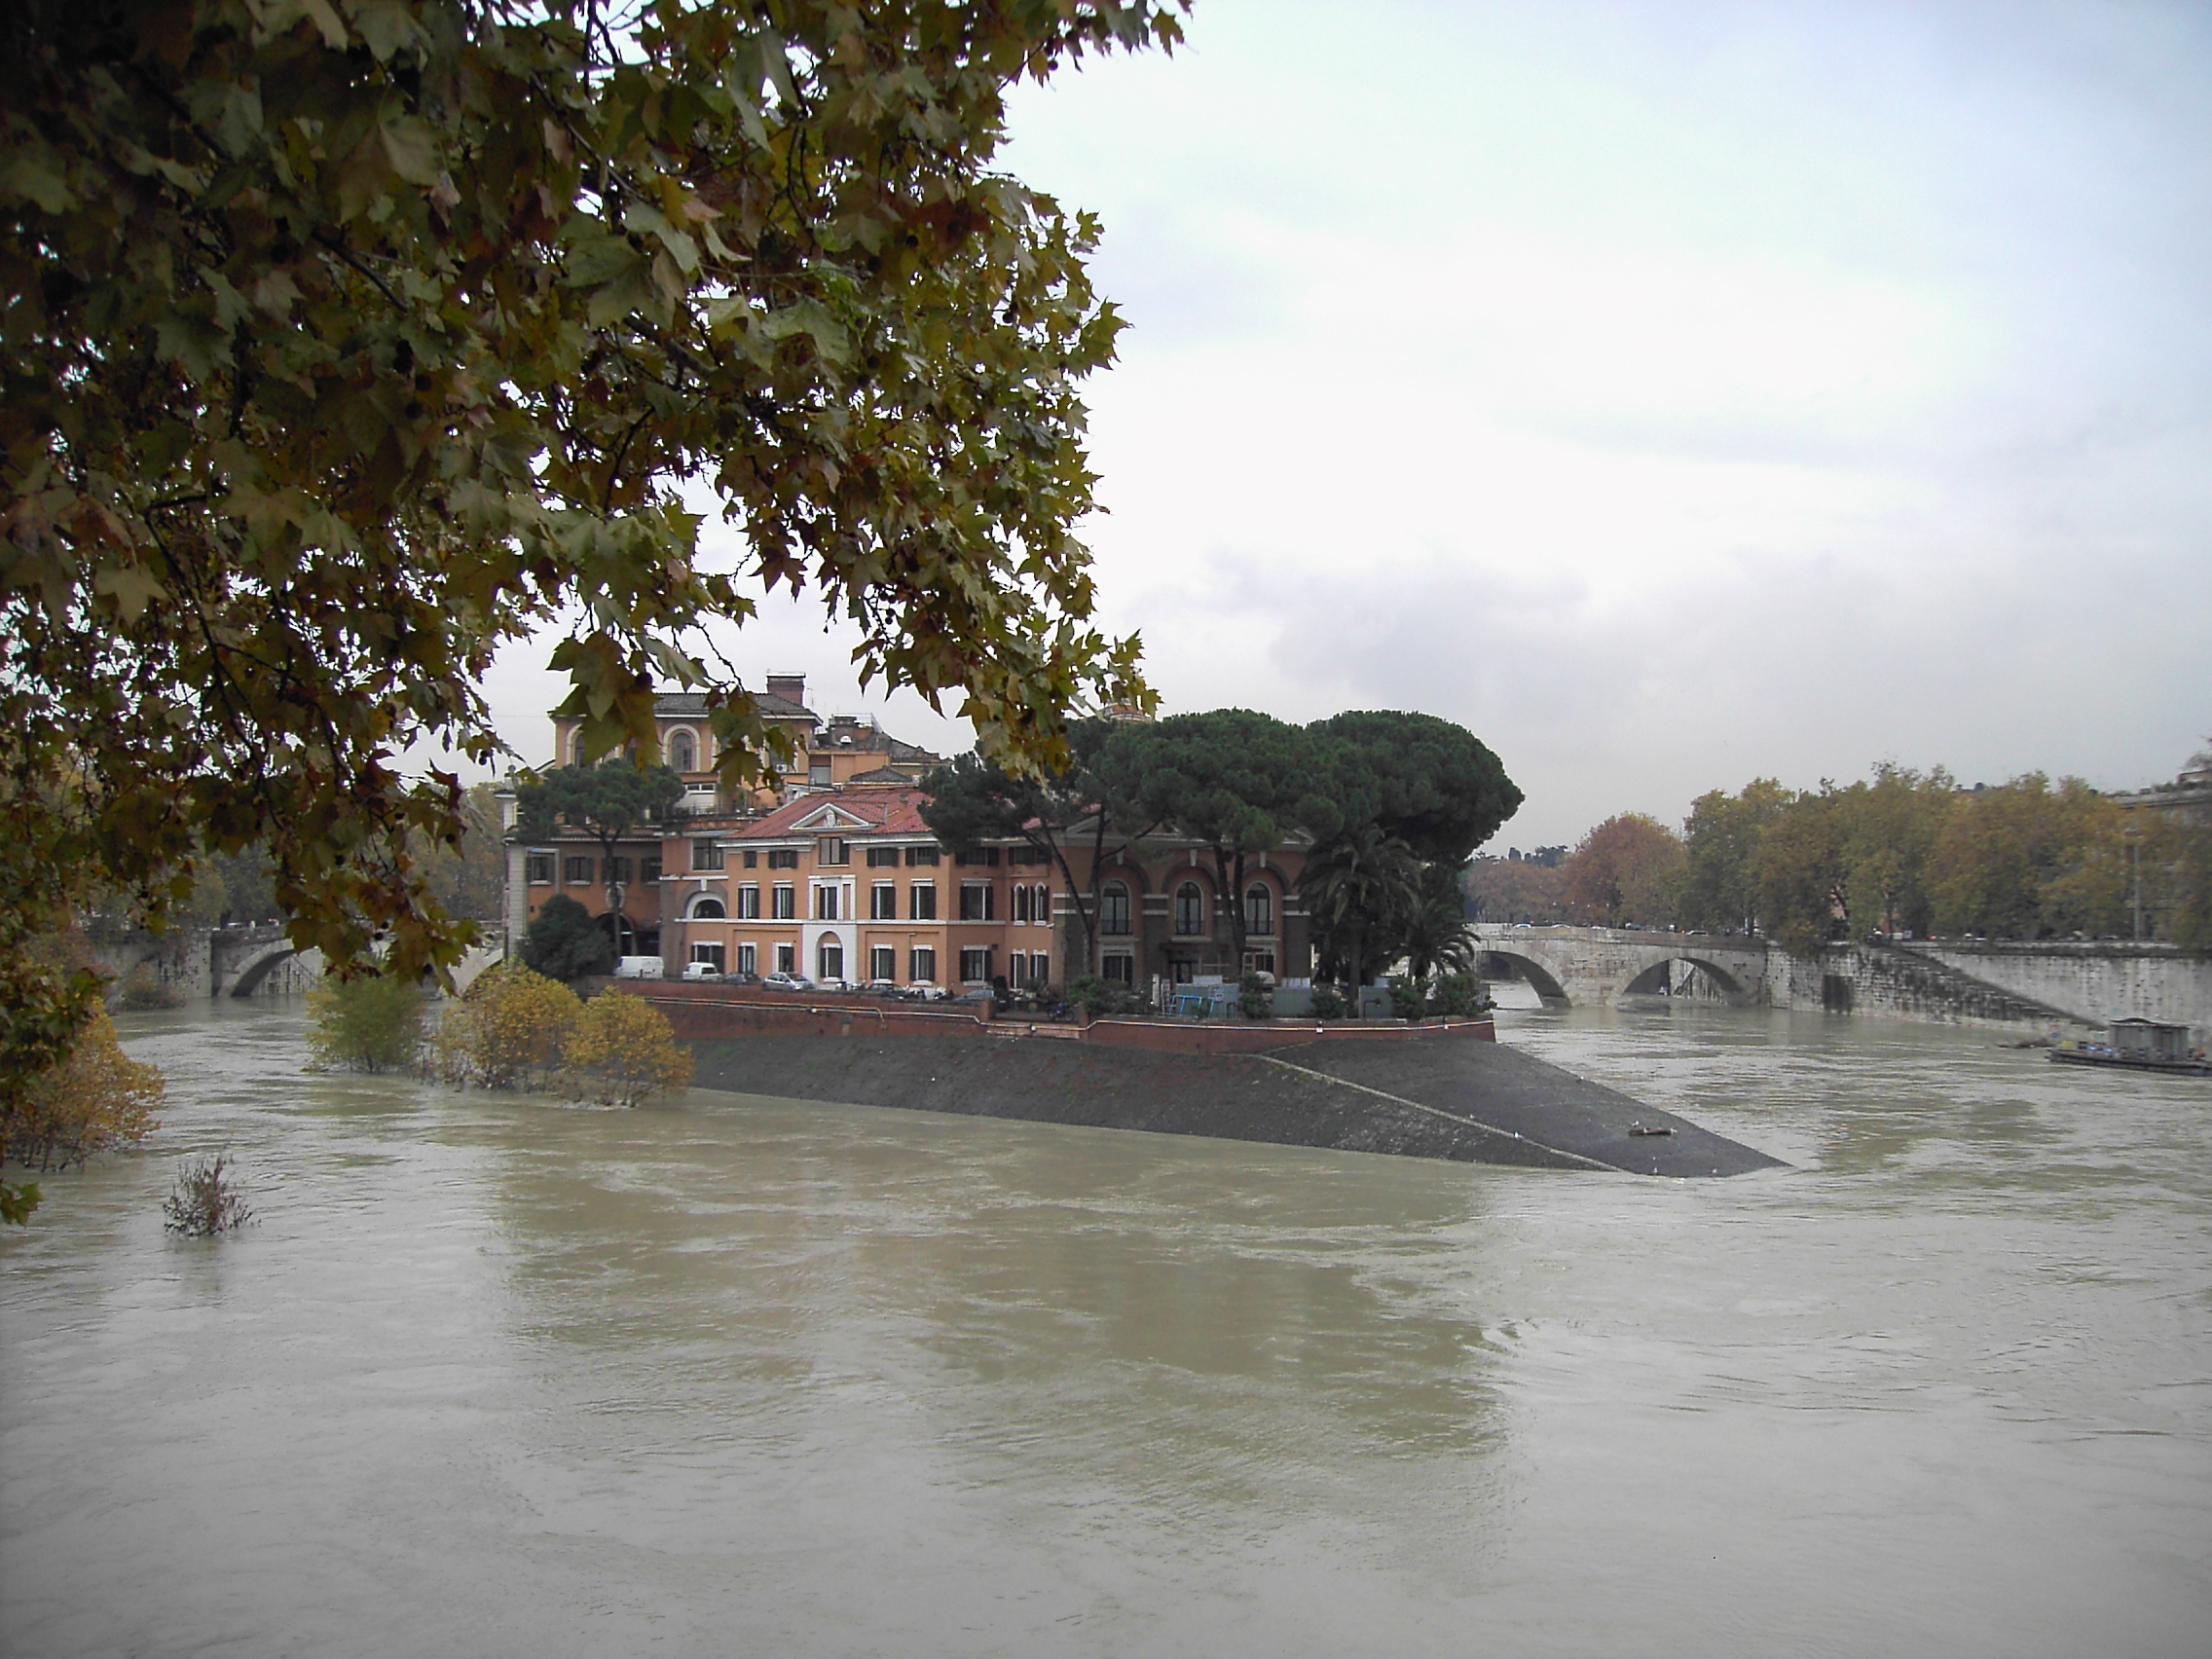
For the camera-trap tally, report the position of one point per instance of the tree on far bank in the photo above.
(566, 943)
(1720, 879)
(609, 803)
(1627, 870)
(974, 801)
(349, 343)
(1236, 782)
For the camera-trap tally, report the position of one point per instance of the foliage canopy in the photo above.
(346, 340)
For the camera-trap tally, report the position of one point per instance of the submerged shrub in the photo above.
(207, 1198)
(143, 988)
(96, 1099)
(371, 1024)
(507, 1030)
(621, 1052)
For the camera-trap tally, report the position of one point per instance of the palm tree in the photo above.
(1435, 937)
(1361, 889)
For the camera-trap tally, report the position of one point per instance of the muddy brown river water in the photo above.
(738, 1377)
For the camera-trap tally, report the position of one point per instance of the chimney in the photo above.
(792, 688)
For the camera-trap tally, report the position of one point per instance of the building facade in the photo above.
(839, 877)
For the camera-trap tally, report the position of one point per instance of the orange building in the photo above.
(839, 877)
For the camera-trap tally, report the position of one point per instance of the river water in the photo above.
(499, 1377)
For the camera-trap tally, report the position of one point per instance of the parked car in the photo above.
(788, 982)
(701, 971)
(638, 968)
(880, 988)
(833, 985)
(923, 990)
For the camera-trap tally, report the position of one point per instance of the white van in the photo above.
(638, 968)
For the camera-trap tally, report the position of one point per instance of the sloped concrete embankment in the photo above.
(1465, 1100)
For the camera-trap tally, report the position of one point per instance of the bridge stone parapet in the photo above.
(1967, 981)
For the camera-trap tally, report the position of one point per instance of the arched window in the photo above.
(707, 909)
(576, 746)
(1190, 908)
(684, 753)
(1258, 910)
(1020, 902)
(1114, 909)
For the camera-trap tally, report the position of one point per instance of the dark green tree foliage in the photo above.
(566, 943)
(1435, 940)
(347, 341)
(1362, 888)
(1234, 781)
(609, 803)
(1434, 785)
(974, 802)
(1720, 880)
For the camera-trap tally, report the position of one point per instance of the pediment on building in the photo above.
(830, 818)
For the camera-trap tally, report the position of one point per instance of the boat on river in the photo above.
(2138, 1044)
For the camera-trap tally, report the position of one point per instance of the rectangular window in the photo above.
(711, 954)
(1259, 962)
(579, 873)
(977, 856)
(832, 850)
(748, 958)
(921, 856)
(782, 858)
(539, 868)
(752, 858)
(787, 957)
(883, 962)
(824, 904)
(648, 869)
(829, 960)
(705, 855)
(749, 903)
(1039, 968)
(880, 858)
(975, 901)
(883, 905)
(818, 773)
(784, 902)
(617, 869)
(1122, 970)
(921, 965)
(974, 966)
(925, 901)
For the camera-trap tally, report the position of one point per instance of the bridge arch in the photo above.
(259, 968)
(1658, 978)
(1540, 978)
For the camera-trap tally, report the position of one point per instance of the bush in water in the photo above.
(96, 1099)
(507, 1031)
(369, 1023)
(205, 1199)
(621, 1052)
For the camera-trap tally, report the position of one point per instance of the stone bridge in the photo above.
(1596, 967)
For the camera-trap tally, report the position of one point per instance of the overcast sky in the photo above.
(1672, 394)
